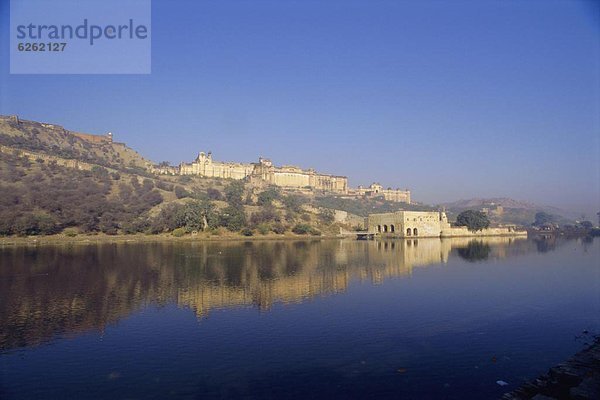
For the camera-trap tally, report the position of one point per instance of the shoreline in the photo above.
(142, 238)
(101, 238)
(577, 378)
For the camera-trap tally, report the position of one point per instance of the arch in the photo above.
(392, 229)
(415, 232)
(408, 231)
(385, 228)
(378, 228)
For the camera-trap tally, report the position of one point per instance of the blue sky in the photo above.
(450, 99)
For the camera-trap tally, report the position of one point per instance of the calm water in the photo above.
(426, 319)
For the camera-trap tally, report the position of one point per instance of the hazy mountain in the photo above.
(507, 210)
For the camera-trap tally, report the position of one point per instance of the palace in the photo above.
(389, 194)
(263, 171)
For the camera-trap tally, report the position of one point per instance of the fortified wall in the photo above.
(98, 139)
(427, 224)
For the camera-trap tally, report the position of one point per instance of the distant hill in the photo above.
(504, 210)
(54, 140)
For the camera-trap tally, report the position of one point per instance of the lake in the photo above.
(410, 319)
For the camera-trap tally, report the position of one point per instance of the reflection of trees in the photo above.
(53, 290)
(545, 244)
(476, 250)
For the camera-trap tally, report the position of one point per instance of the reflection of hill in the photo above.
(66, 290)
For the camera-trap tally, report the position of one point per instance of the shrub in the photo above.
(278, 228)
(293, 203)
(70, 232)
(100, 172)
(180, 192)
(214, 194)
(263, 229)
(268, 213)
(247, 232)
(327, 216)
(152, 198)
(178, 232)
(108, 224)
(267, 197)
(301, 229)
(35, 224)
(168, 187)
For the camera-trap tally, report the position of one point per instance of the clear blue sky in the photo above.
(450, 99)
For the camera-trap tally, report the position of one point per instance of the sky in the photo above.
(452, 100)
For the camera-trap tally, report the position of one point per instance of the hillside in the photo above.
(504, 210)
(40, 197)
(54, 140)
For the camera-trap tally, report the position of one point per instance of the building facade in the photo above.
(205, 166)
(264, 171)
(427, 224)
(389, 194)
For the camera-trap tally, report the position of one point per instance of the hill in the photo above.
(55, 141)
(504, 210)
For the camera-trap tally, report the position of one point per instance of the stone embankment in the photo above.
(578, 378)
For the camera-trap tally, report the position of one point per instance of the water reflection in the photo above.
(58, 290)
(476, 250)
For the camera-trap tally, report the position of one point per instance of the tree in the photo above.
(586, 224)
(197, 215)
(233, 218)
(234, 193)
(543, 218)
(268, 213)
(473, 220)
(475, 251)
(293, 203)
(108, 224)
(327, 216)
(166, 220)
(266, 197)
(100, 172)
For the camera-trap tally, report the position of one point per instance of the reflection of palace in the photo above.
(49, 291)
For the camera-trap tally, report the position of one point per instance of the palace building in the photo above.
(263, 171)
